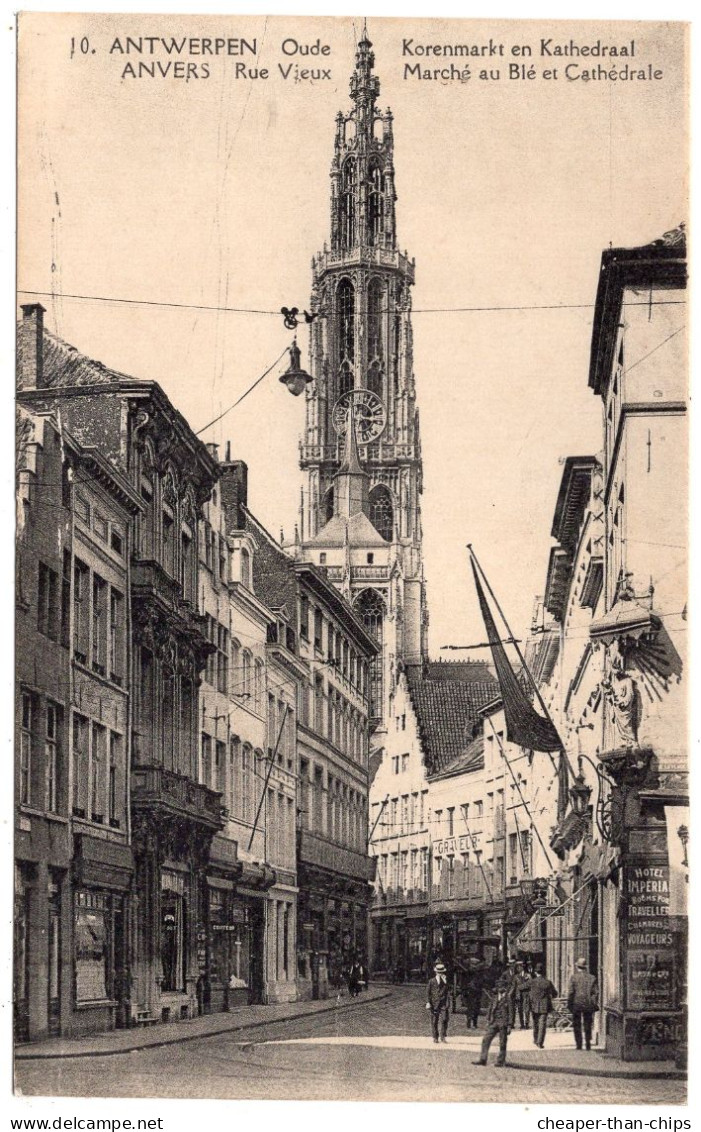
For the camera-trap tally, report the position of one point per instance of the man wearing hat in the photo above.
(438, 1003)
(583, 1001)
(500, 1019)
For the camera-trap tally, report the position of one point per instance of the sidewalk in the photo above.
(169, 1033)
(596, 1063)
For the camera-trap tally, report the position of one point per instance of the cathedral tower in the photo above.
(361, 454)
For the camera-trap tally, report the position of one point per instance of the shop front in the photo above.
(457, 935)
(173, 822)
(312, 974)
(235, 937)
(333, 906)
(494, 944)
(102, 875)
(43, 993)
(416, 946)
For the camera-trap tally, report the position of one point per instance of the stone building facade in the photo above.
(73, 858)
(317, 627)
(639, 370)
(136, 648)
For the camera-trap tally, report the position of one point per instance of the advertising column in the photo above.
(648, 962)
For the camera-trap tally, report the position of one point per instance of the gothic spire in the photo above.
(364, 85)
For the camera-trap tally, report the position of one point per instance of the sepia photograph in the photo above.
(351, 591)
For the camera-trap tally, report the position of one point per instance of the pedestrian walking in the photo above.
(541, 994)
(353, 978)
(500, 1020)
(438, 995)
(471, 995)
(583, 1002)
(523, 989)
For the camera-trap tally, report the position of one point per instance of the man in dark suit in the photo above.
(438, 995)
(541, 994)
(500, 1019)
(583, 1001)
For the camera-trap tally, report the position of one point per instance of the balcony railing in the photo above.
(314, 849)
(368, 453)
(371, 573)
(170, 793)
(383, 257)
(150, 580)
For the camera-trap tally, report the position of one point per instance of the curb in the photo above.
(667, 1075)
(20, 1055)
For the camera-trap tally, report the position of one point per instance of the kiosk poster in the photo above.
(351, 573)
(650, 942)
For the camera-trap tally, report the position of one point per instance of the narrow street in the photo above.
(373, 1051)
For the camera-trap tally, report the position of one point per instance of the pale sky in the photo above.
(215, 192)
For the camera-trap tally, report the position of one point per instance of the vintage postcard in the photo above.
(351, 560)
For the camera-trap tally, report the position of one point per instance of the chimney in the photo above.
(30, 347)
(233, 486)
(213, 450)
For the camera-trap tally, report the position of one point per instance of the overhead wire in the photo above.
(276, 313)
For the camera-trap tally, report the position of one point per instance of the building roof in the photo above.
(661, 264)
(70, 375)
(314, 578)
(64, 365)
(469, 760)
(446, 697)
(274, 580)
(356, 531)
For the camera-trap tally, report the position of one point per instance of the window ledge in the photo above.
(100, 677)
(93, 1003)
(32, 811)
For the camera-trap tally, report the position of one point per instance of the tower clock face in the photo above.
(369, 414)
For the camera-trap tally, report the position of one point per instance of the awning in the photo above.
(529, 939)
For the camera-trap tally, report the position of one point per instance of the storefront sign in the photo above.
(649, 965)
(201, 948)
(452, 846)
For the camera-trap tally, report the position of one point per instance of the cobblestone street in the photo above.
(370, 1051)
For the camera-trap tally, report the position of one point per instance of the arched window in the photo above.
(375, 305)
(247, 771)
(345, 378)
(347, 211)
(375, 350)
(371, 609)
(381, 511)
(375, 205)
(188, 549)
(259, 682)
(346, 321)
(245, 568)
(246, 672)
(145, 533)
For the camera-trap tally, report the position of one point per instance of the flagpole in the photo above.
(521, 658)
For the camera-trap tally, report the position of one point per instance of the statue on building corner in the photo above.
(621, 691)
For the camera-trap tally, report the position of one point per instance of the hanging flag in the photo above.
(523, 724)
